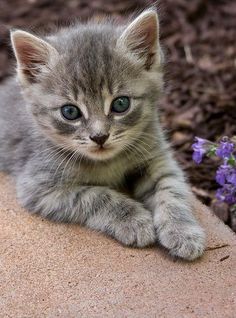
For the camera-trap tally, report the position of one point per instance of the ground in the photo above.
(199, 39)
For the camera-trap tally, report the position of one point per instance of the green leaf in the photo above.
(232, 161)
(212, 151)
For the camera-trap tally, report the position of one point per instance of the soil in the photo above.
(198, 37)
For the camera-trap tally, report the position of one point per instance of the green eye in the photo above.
(70, 112)
(120, 104)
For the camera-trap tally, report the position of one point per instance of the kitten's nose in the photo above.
(99, 139)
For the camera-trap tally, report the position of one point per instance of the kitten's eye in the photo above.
(120, 104)
(71, 112)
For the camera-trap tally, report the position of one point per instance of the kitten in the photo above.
(85, 144)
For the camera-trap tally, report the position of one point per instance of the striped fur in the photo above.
(132, 189)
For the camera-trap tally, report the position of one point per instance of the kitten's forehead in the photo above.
(92, 64)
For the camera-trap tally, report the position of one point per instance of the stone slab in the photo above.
(60, 270)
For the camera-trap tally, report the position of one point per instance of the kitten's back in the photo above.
(14, 126)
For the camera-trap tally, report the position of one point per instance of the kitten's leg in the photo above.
(163, 190)
(97, 207)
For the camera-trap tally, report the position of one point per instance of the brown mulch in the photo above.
(199, 39)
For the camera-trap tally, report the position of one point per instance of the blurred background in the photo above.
(199, 39)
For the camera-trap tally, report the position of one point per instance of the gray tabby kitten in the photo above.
(85, 144)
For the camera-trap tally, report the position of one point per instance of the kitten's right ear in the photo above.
(141, 38)
(32, 54)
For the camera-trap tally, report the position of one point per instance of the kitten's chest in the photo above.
(117, 175)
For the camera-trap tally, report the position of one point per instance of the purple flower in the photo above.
(221, 174)
(198, 149)
(227, 194)
(231, 178)
(226, 174)
(225, 148)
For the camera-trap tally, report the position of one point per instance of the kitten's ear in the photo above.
(141, 38)
(32, 55)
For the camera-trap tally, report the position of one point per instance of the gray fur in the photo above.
(134, 190)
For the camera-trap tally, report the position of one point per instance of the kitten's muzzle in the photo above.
(99, 139)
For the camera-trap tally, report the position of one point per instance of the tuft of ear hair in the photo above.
(32, 55)
(141, 38)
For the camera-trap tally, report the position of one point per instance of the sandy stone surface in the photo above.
(57, 270)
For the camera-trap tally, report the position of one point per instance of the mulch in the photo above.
(199, 40)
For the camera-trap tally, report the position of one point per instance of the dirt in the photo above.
(198, 37)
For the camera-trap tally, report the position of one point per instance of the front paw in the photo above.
(137, 230)
(186, 241)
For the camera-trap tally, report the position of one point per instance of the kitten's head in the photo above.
(92, 88)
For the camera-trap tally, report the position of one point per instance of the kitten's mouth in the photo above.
(100, 149)
(101, 152)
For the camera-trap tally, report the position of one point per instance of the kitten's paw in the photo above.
(136, 231)
(185, 241)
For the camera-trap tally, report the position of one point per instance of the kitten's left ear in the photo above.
(141, 38)
(33, 55)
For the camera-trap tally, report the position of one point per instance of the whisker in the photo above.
(74, 157)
